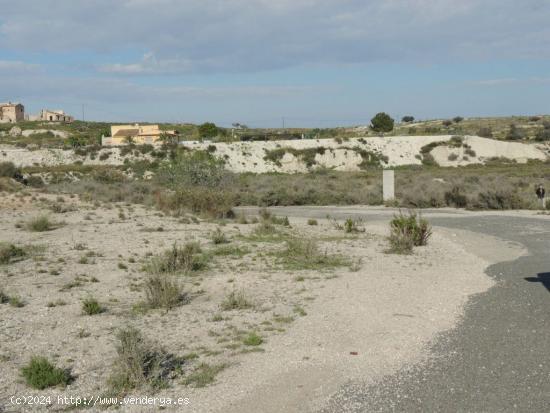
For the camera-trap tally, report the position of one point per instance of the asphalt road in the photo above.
(498, 358)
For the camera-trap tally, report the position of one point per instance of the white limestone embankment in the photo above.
(335, 154)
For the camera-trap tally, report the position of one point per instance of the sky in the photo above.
(307, 63)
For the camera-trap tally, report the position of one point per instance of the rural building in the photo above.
(55, 116)
(11, 112)
(139, 135)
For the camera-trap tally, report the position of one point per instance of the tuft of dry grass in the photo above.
(139, 364)
(163, 290)
(236, 301)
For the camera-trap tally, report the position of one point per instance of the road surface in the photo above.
(498, 358)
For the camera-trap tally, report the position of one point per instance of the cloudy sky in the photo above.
(311, 62)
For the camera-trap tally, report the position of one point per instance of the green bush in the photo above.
(208, 130)
(382, 122)
(90, 306)
(40, 374)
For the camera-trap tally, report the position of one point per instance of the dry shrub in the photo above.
(139, 364)
(178, 259)
(500, 199)
(304, 254)
(211, 202)
(10, 253)
(163, 291)
(408, 231)
(8, 169)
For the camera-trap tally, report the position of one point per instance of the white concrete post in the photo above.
(388, 185)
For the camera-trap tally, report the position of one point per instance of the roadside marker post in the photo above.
(388, 185)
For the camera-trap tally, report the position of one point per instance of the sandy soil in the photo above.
(356, 323)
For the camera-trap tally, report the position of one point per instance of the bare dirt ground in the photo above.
(319, 328)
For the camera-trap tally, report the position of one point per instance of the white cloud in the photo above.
(17, 67)
(252, 35)
(511, 80)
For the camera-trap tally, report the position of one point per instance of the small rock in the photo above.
(15, 131)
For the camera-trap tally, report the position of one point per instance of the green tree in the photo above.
(208, 130)
(407, 119)
(382, 122)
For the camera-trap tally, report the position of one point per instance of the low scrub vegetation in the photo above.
(407, 231)
(10, 253)
(163, 291)
(236, 300)
(304, 254)
(40, 374)
(353, 226)
(253, 339)
(185, 259)
(218, 237)
(139, 364)
(41, 224)
(90, 306)
(203, 375)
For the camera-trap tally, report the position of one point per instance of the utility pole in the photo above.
(83, 112)
(283, 122)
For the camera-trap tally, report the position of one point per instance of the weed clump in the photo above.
(90, 306)
(456, 198)
(236, 301)
(218, 237)
(10, 253)
(352, 226)
(41, 224)
(39, 374)
(184, 259)
(163, 291)
(139, 364)
(304, 254)
(253, 339)
(499, 199)
(204, 375)
(408, 231)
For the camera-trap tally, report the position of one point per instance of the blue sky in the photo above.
(313, 62)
